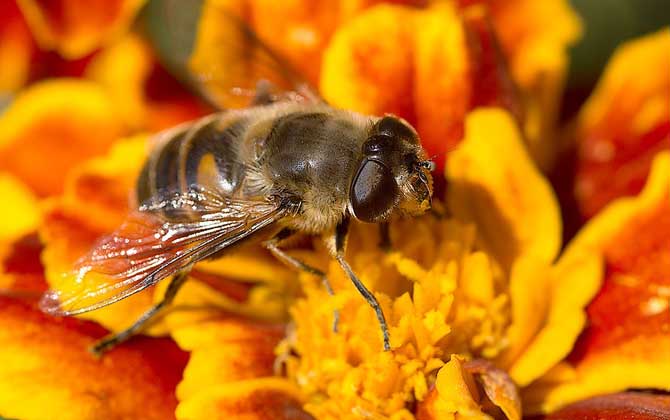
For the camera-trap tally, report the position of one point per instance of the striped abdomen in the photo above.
(204, 153)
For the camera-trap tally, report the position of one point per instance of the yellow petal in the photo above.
(572, 284)
(51, 127)
(494, 183)
(19, 213)
(535, 36)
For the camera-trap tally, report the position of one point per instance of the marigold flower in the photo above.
(490, 316)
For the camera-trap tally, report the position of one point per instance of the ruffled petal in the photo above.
(440, 64)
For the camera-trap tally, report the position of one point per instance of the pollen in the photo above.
(441, 297)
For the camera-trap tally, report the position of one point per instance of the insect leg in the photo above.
(113, 340)
(273, 245)
(340, 243)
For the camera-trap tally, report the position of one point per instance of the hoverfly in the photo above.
(287, 164)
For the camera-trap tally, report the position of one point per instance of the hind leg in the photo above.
(115, 339)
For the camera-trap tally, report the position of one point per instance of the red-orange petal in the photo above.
(623, 406)
(624, 123)
(47, 370)
(626, 344)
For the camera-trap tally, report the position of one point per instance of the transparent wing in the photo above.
(210, 46)
(155, 242)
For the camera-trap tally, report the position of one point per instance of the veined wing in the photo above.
(156, 242)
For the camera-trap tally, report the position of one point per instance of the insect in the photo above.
(288, 164)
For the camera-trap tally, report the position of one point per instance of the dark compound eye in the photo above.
(374, 192)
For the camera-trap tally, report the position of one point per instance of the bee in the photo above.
(288, 164)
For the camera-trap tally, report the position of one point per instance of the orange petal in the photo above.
(52, 126)
(47, 370)
(75, 28)
(16, 48)
(625, 122)
(368, 55)
(626, 344)
(230, 371)
(535, 36)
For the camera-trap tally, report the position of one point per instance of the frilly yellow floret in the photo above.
(431, 315)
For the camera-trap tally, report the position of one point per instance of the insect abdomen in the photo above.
(203, 154)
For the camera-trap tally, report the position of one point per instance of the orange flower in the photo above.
(483, 308)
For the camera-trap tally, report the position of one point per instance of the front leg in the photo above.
(341, 233)
(273, 245)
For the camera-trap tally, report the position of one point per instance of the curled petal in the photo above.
(75, 28)
(468, 389)
(572, 284)
(52, 126)
(47, 369)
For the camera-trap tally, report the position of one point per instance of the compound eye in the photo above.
(374, 192)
